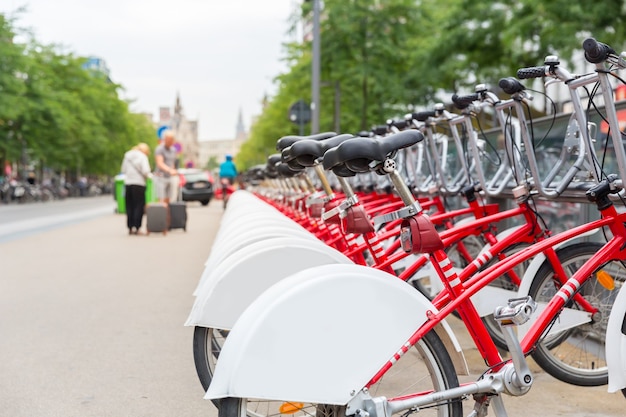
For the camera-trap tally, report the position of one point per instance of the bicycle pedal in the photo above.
(516, 312)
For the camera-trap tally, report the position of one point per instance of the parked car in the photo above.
(196, 185)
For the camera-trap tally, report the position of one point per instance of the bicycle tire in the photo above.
(436, 362)
(578, 357)
(585, 249)
(207, 344)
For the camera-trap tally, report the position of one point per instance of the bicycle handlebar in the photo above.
(400, 124)
(596, 52)
(531, 72)
(422, 116)
(380, 130)
(462, 102)
(510, 85)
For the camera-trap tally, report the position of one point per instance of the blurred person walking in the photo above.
(165, 172)
(136, 170)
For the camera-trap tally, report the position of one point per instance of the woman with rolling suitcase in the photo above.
(136, 170)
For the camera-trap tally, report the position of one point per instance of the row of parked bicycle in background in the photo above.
(30, 190)
(195, 185)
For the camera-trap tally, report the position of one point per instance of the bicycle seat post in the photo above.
(325, 184)
(390, 167)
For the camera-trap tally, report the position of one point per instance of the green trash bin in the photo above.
(120, 194)
(150, 191)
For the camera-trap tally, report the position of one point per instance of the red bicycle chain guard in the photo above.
(418, 235)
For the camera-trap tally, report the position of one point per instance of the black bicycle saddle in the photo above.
(286, 170)
(307, 152)
(359, 153)
(286, 141)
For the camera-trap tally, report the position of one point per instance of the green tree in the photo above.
(365, 52)
(366, 49)
(483, 41)
(56, 114)
(212, 163)
(12, 100)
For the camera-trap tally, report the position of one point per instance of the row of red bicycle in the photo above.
(328, 328)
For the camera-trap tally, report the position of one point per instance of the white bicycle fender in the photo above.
(246, 273)
(616, 343)
(221, 251)
(334, 326)
(248, 221)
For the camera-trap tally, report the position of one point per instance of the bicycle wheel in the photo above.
(583, 251)
(427, 367)
(577, 355)
(207, 344)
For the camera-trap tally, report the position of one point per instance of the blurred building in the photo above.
(186, 132)
(216, 150)
(97, 65)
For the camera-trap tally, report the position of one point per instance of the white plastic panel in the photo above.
(331, 326)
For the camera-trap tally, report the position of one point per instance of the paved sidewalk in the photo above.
(91, 320)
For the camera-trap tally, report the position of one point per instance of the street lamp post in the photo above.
(315, 79)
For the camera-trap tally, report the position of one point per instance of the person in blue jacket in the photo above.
(228, 173)
(228, 170)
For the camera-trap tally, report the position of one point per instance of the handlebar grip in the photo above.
(422, 116)
(511, 85)
(531, 72)
(380, 130)
(462, 102)
(596, 52)
(400, 124)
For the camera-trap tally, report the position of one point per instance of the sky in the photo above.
(219, 56)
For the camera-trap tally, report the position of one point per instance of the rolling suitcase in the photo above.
(156, 218)
(178, 215)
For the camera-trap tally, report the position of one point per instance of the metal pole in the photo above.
(337, 107)
(315, 79)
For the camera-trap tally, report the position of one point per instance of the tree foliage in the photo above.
(56, 114)
(362, 43)
(390, 56)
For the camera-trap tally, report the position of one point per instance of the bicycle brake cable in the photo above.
(493, 148)
(553, 115)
